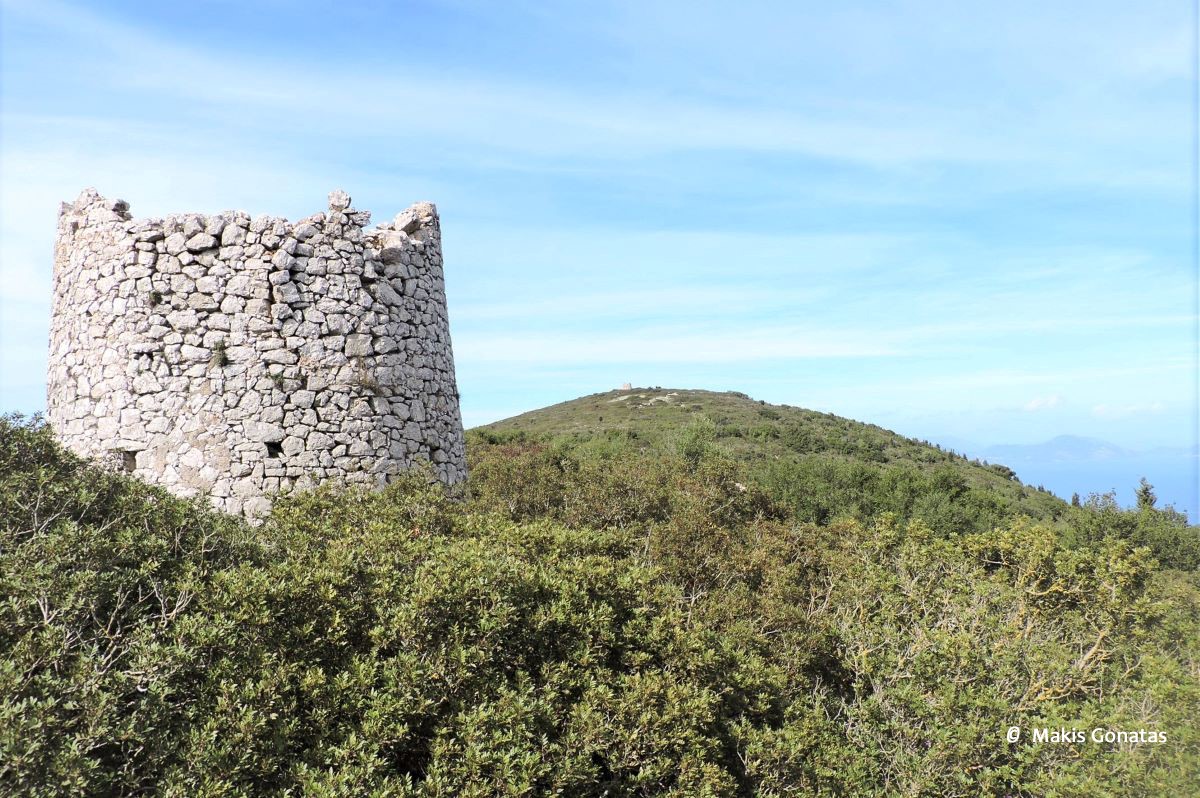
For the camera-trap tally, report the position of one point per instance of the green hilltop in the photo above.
(820, 464)
(750, 429)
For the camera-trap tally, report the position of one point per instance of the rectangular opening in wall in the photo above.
(274, 449)
(127, 461)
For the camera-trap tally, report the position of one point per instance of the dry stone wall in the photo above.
(237, 357)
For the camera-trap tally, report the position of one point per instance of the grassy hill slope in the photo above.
(794, 452)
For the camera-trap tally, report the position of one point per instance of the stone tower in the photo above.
(237, 357)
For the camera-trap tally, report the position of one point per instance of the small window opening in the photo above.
(128, 461)
(274, 449)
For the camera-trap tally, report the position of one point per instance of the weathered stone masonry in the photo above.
(238, 357)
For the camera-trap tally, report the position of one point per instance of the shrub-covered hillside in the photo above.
(819, 465)
(750, 429)
(582, 621)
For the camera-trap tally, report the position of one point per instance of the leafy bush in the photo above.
(98, 574)
(1165, 532)
(695, 441)
(820, 489)
(592, 621)
(357, 643)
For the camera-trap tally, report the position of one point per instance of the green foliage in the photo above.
(386, 643)
(1145, 495)
(1003, 471)
(1165, 532)
(694, 442)
(820, 465)
(818, 490)
(598, 618)
(98, 573)
(220, 354)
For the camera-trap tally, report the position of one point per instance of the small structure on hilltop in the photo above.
(238, 357)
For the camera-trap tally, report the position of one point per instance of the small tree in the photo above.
(1145, 495)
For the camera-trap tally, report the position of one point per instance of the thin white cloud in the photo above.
(1164, 371)
(666, 345)
(576, 306)
(983, 330)
(1117, 411)
(1043, 403)
(496, 114)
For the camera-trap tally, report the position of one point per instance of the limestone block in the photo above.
(279, 356)
(319, 440)
(338, 200)
(202, 302)
(176, 243)
(283, 260)
(358, 345)
(200, 242)
(233, 235)
(265, 432)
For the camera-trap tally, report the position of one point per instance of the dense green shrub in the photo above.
(356, 644)
(1165, 531)
(819, 489)
(591, 621)
(98, 572)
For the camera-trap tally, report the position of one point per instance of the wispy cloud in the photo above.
(1043, 403)
(830, 204)
(1111, 412)
(668, 345)
(545, 120)
(659, 302)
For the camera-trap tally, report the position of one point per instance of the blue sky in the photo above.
(959, 221)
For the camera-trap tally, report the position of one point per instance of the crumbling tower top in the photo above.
(238, 357)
